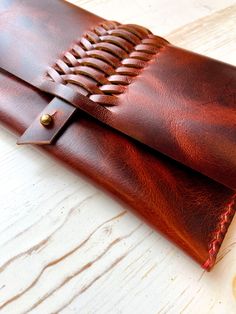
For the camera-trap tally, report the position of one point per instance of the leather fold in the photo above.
(191, 123)
(152, 123)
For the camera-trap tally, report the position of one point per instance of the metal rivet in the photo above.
(46, 119)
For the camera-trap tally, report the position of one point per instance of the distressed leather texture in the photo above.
(163, 142)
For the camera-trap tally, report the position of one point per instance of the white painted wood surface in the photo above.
(66, 247)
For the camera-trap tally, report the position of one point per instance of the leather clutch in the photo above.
(151, 123)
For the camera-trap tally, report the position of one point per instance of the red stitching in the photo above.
(219, 234)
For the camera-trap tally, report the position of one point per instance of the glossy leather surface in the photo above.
(192, 123)
(190, 209)
(184, 105)
(184, 205)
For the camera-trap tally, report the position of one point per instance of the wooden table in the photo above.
(66, 247)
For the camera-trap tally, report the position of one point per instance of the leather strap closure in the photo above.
(91, 76)
(60, 110)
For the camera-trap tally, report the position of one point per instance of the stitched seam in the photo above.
(106, 60)
(218, 235)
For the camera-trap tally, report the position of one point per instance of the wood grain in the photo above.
(66, 247)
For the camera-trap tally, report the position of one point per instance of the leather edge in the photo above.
(219, 234)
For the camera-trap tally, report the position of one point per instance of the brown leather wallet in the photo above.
(150, 122)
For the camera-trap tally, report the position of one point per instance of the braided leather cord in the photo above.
(106, 60)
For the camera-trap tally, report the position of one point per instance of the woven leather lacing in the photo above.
(106, 60)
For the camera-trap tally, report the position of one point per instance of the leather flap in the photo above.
(177, 102)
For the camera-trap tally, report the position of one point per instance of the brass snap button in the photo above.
(46, 119)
